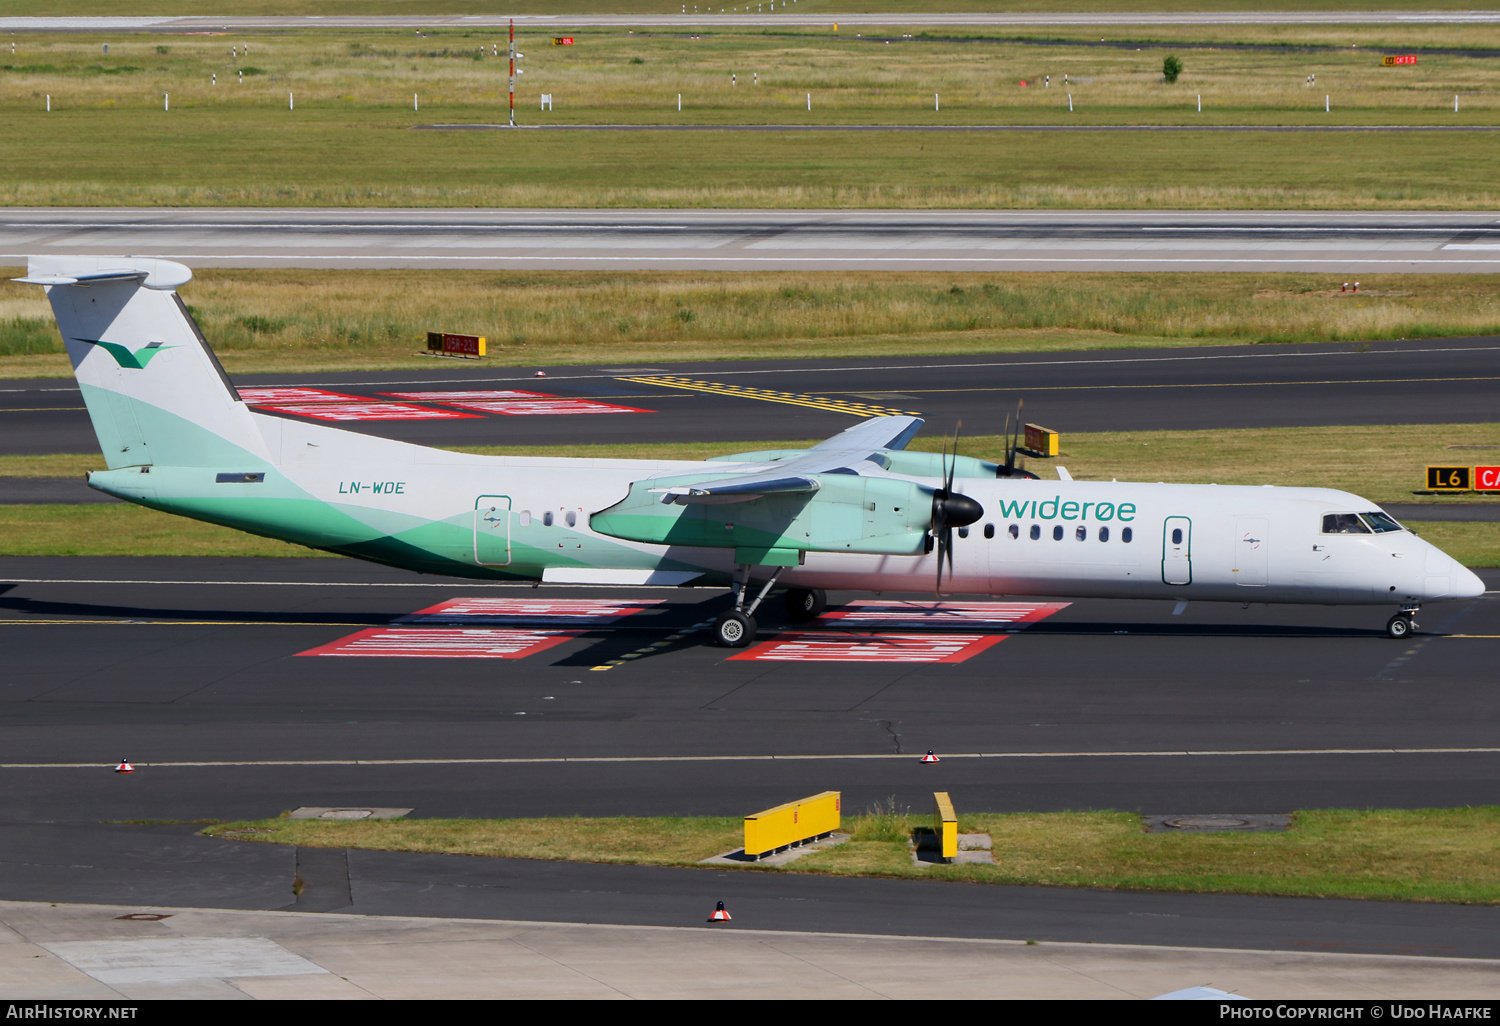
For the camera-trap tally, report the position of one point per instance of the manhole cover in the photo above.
(146, 917)
(346, 814)
(1207, 822)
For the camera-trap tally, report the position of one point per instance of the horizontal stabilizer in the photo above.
(96, 270)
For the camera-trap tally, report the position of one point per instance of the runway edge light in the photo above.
(124, 767)
(929, 757)
(720, 915)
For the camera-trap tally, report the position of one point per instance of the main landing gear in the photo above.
(736, 628)
(1401, 625)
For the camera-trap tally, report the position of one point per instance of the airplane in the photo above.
(857, 512)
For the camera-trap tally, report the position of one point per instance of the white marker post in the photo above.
(291, 102)
(1070, 103)
(166, 101)
(809, 101)
(242, 78)
(414, 102)
(1200, 103)
(49, 103)
(935, 105)
(1455, 103)
(679, 102)
(1325, 104)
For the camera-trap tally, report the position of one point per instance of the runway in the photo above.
(1404, 382)
(1340, 244)
(1288, 707)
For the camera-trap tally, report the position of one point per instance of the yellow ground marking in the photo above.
(655, 646)
(1189, 384)
(772, 396)
(38, 409)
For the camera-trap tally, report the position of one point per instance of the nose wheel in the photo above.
(734, 630)
(1401, 625)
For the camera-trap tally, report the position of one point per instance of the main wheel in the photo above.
(734, 630)
(1398, 626)
(804, 604)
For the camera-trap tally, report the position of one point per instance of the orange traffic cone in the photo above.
(124, 767)
(929, 757)
(719, 916)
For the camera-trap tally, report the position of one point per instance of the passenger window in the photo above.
(1082, 534)
(1015, 530)
(525, 518)
(547, 519)
(963, 532)
(571, 518)
(1176, 536)
(1104, 534)
(1126, 534)
(1343, 523)
(1036, 531)
(1057, 533)
(989, 530)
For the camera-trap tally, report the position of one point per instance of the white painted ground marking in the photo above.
(181, 958)
(1242, 753)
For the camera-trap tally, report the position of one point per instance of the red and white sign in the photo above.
(887, 613)
(1487, 479)
(456, 397)
(440, 643)
(531, 611)
(547, 407)
(293, 395)
(870, 648)
(366, 411)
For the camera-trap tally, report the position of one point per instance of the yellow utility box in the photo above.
(792, 823)
(1042, 441)
(945, 824)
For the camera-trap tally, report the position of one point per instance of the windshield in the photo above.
(1343, 523)
(1381, 522)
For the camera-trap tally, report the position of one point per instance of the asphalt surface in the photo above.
(787, 18)
(1287, 707)
(1404, 382)
(1338, 244)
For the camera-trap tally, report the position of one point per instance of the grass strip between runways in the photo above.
(1436, 855)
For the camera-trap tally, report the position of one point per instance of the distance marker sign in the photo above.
(1409, 58)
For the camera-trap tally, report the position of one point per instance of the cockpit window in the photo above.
(1381, 522)
(1343, 523)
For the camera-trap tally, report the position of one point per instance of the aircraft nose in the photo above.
(1466, 583)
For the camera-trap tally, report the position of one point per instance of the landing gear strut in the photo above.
(736, 629)
(1401, 625)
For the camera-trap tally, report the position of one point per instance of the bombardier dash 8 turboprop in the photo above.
(856, 512)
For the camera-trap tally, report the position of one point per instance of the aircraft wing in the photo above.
(844, 453)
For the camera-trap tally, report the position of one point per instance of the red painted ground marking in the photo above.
(453, 397)
(366, 411)
(439, 643)
(870, 648)
(257, 396)
(530, 611)
(887, 613)
(542, 407)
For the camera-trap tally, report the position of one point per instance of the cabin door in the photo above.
(1177, 551)
(1251, 551)
(492, 530)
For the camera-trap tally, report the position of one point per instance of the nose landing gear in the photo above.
(1401, 625)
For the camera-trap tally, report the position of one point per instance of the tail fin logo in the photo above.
(124, 357)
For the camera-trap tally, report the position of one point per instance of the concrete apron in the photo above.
(88, 952)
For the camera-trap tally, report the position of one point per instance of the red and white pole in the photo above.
(513, 73)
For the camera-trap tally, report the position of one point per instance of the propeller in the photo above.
(1009, 469)
(949, 510)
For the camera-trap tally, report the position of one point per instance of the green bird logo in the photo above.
(124, 357)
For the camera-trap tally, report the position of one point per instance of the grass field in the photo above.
(1382, 464)
(1439, 855)
(335, 8)
(310, 320)
(350, 141)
